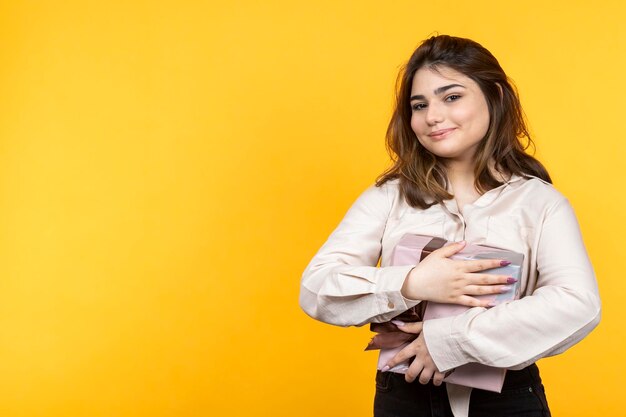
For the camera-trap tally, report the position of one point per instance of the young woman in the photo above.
(460, 172)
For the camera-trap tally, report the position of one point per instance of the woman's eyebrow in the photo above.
(437, 91)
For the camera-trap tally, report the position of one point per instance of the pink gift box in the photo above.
(413, 248)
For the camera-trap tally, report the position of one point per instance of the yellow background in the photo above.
(168, 169)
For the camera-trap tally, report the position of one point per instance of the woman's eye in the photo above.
(453, 97)
(418, 106)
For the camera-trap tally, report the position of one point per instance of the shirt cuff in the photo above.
(443, 344)
(390, 300)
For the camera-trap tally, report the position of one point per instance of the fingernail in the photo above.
(491, 304)
(506, 288)
(385, 369)
(462, 242)
(398, 323)
(505, 263)
(511, 280)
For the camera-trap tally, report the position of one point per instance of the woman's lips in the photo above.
(440, 134)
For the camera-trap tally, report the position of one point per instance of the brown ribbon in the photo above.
(434, 244)
(389, 336)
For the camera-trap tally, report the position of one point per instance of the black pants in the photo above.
(522, 396)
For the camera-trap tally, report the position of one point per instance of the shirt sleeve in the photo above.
(342, 284)
(562, 310)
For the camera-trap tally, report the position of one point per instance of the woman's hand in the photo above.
(441, 279)
(423, 366)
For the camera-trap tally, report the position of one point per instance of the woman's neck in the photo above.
(461, 179)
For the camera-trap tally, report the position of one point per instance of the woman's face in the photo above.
(449, 113)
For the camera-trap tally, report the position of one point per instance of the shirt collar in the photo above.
(488, 197)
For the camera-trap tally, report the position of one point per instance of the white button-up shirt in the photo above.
(344, 284)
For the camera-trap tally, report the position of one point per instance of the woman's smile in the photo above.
(442, 133)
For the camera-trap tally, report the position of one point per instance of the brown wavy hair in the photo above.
(422, 174)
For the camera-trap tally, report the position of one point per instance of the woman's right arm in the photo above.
(342, 285)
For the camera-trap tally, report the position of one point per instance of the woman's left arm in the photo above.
(561, 311)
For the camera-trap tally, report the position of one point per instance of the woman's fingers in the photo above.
(413, 327)
(449, 250)
(426, 375)
(475, 278)
(466, 300)
(486, 289)
(416, 369)
(486, 284)
(483, 264)
(438, 378)
(403, 355)
(422, 367)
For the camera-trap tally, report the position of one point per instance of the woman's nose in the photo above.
(434, 114)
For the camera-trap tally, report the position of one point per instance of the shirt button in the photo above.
(391, 305)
